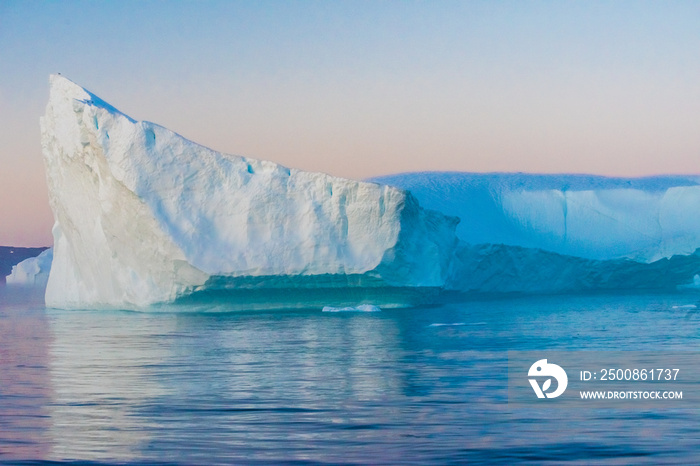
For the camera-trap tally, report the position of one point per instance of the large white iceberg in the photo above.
(143, 216)
(593, 217)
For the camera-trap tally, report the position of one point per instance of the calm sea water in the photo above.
(313, 387)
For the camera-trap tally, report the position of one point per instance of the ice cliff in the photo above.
(144, 216)
(593, 217)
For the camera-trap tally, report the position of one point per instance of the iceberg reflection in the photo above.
(130, 384)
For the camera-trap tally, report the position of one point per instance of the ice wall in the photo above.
(644, 219)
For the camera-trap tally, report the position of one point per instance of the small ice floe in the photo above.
(360, 308)
(686, 306)
(447, 325)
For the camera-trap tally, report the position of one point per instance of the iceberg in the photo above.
(360, 308)
(11, 256)
(527, 233)
(592, 217)
(33, 271)
(145, 216)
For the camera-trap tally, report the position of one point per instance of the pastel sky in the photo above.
(358, 89)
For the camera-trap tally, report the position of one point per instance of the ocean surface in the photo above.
(424, 385)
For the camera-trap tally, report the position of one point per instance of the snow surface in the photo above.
(594, 217)
(142, 215)
(33, 271)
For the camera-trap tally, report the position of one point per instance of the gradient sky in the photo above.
(358, 89)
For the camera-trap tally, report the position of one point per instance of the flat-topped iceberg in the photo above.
(144, 216)
(593, 217)
(528, 233)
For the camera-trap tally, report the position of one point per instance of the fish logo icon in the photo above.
(544, 369)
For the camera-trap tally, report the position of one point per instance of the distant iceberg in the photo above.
(592, 217)
(360, 308)
(144, 216)
(525, 233)
(33, 271)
